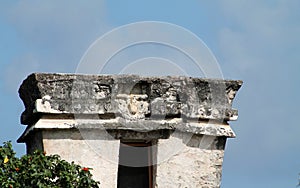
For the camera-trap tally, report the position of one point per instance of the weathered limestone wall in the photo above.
(72, 147)
(198, 162)
(83, 118)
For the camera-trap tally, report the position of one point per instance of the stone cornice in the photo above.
(129, 97)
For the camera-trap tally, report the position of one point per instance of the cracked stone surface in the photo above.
(129, 96)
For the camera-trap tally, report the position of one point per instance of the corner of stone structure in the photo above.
(66, 114)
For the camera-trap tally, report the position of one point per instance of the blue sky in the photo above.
(254, 41)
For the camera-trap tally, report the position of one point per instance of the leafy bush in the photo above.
(41, 171)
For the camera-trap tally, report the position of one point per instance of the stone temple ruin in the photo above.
(133, 131)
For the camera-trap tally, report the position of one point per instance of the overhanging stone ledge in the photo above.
(177, 124)
(133, 97)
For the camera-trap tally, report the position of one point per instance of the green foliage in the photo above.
(41, 171)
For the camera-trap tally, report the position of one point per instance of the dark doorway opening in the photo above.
(135, 165)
